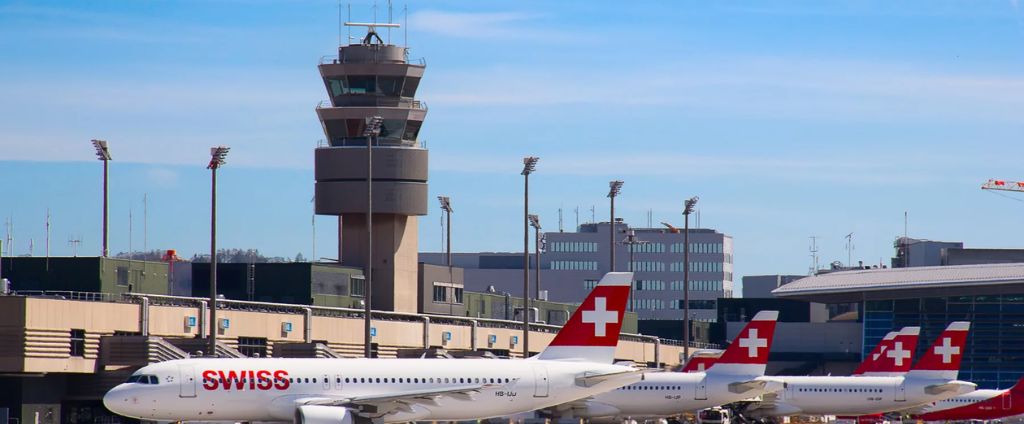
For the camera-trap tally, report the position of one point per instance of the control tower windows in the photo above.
(409, 90)
(349, 132)
(390, 86)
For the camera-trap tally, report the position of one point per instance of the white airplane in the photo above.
(736, 375)
(932, 379)
(577, 364)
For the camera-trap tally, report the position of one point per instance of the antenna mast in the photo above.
(849, 250)
(814, 255)
(560, 228)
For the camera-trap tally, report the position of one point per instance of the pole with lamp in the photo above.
(687, 210)
(217, 156)
(614, 187)
(371, 132)
(632, 241)
(103, 154)
(529, 165)
(535, 223)
(446, 207)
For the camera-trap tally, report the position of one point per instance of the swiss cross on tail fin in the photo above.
(748, 353)
(592, 333)
(942, 359)
(893, 355)
(700, 361)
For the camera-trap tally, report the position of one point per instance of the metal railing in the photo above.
(327, 311)
(332, 59)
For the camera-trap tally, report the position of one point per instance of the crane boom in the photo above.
(1003, 185)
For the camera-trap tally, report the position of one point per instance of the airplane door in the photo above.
(327, 382)
(1007, 401)
(540, 381)
(701, 389)
(186, 381)
(901, 392)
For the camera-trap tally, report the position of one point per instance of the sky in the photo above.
(788, 119)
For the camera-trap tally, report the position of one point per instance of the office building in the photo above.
(573, 262)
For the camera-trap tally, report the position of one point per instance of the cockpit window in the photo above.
(143, 379)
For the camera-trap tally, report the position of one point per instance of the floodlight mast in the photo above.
(371, 132)
(687, 210)
(529, 165)
(614, 187)
(217, 156)
(535, 223)
(103, 154)
(446, 207)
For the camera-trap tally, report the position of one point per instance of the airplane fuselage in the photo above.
(860, 395)
(667, 394)
(271, 389)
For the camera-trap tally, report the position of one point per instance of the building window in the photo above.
(458, 294)
(77, 342)
(358, 286)
(573, 246)
(122, 275)
(440, 293)
(252, 346)
(573, 265)
(589, 284)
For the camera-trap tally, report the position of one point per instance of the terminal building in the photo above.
(990, 296)
(571, 263)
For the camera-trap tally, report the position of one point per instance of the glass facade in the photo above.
(994, 358)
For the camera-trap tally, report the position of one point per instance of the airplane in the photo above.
(737, 375)
(977, 405)
(577, 364)
(892, 356)
(932, 379)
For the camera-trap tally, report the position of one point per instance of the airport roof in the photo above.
(889, 283)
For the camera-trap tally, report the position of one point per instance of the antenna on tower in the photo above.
(145, 222)
(593, 215)
(389, 21)
(405, 14)
(560, 228)
(849, 250)
(47, 239)
(349, 20)
(74, 241)
(814, 255)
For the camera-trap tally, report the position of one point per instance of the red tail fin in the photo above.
(868, 363)
(593, 331)
(1018, 388)
(894, 356)
(942, 359)
(748, 353)
(701, 361)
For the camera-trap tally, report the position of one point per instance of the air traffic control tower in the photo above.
(367, 79)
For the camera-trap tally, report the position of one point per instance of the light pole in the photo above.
(535, 223)
(614, 187)
(446, 207)
(103, 154)
(631, 241)
(529, 165)
(687, 210)
(371, 132)
(217, 156)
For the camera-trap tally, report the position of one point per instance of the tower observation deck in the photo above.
(367, 79)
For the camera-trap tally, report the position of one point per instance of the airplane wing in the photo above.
(937, 389)
(588, 380)
(761, 384)
(426, 396)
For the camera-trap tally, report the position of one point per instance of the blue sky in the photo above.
(788, 119)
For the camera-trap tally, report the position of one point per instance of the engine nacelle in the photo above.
(318, 414)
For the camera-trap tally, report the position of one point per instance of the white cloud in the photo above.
(492, 25)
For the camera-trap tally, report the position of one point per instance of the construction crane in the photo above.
(672, 229)
(1003, 185)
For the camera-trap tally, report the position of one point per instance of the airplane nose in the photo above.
(116, 400)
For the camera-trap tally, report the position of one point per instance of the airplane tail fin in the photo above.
(700, 361)
(592, 333)
(867, 364)
(942, 359)
(895, 356)
(748, 353)
(1018, 388)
